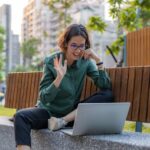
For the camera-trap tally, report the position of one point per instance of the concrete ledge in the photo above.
(47, 140)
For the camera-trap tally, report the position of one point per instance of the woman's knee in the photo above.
(106, 95)
(20, 117)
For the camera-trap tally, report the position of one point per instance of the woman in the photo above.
(61, 86)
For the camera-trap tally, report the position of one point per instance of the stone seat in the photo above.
(46, 140)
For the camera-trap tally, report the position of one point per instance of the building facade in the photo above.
(39, 22)
(11, 41)
(16, 55)
(5, 21)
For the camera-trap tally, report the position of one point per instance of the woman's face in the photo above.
(75, 47)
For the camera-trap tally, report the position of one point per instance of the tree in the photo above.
(2, 33)
(60, 7)
(97, 24)
(128, 16)
(29, 49)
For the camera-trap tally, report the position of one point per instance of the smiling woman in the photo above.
(61, 86)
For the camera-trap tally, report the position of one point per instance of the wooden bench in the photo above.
(130, 84)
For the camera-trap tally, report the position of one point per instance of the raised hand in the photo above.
(60, 69)
(90, 54)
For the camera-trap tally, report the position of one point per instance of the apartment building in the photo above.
(11, 41)
(5, 21)
(41, 23)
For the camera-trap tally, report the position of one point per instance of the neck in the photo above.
(69, 61)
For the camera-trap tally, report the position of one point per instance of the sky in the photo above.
(16, 13)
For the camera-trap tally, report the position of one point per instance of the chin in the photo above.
(76, 57)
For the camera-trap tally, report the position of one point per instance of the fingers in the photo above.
(60, 60)
(56, 62)
(86, 54)
(65, 65)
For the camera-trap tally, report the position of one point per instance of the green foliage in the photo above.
(117, 45)
(22, 68)
(145, 15)
(128, 19)
(60, 7)
(115, 7)
(96, 23)
(29, 47)
(143, 4)
(2, 33)
(130, 14)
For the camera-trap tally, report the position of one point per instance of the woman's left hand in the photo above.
(90, 54)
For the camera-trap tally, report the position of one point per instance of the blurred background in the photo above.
(29, 30)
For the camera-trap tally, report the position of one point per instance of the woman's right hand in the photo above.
(60, 69)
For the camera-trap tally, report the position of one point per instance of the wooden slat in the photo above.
(19, 88)
(32, 88)
(24, 96)
(144, 94)
(13, 90)
(112, 73)
(15, 93)
(36, 90)
(137, 93)
(88, 87)
(138, 47)
(124, 85)
(29, 87)
(117, 85)
(130, 90)
(83, 91)
(148, 106)
(8, 88)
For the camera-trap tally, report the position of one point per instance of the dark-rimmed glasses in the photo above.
(75, 47)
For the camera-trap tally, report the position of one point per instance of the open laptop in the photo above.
(99, 118)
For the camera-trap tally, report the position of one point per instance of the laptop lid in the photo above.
(100, 118)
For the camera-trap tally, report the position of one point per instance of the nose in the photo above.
(78, 50)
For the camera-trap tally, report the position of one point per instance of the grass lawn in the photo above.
(130, 127)
(6, 111)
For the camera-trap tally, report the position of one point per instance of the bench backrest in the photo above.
(130, 84)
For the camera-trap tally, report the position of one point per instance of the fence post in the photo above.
(138, 127)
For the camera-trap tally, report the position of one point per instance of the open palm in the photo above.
(60, 68)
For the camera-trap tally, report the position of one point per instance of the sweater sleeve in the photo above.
(48, 91)
(100, 77)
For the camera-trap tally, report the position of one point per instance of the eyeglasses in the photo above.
(75, 47)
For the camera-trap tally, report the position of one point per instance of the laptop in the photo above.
(99, 118)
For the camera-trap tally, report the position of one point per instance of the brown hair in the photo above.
(71, 31)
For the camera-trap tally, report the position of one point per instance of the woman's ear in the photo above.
(66, 45)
